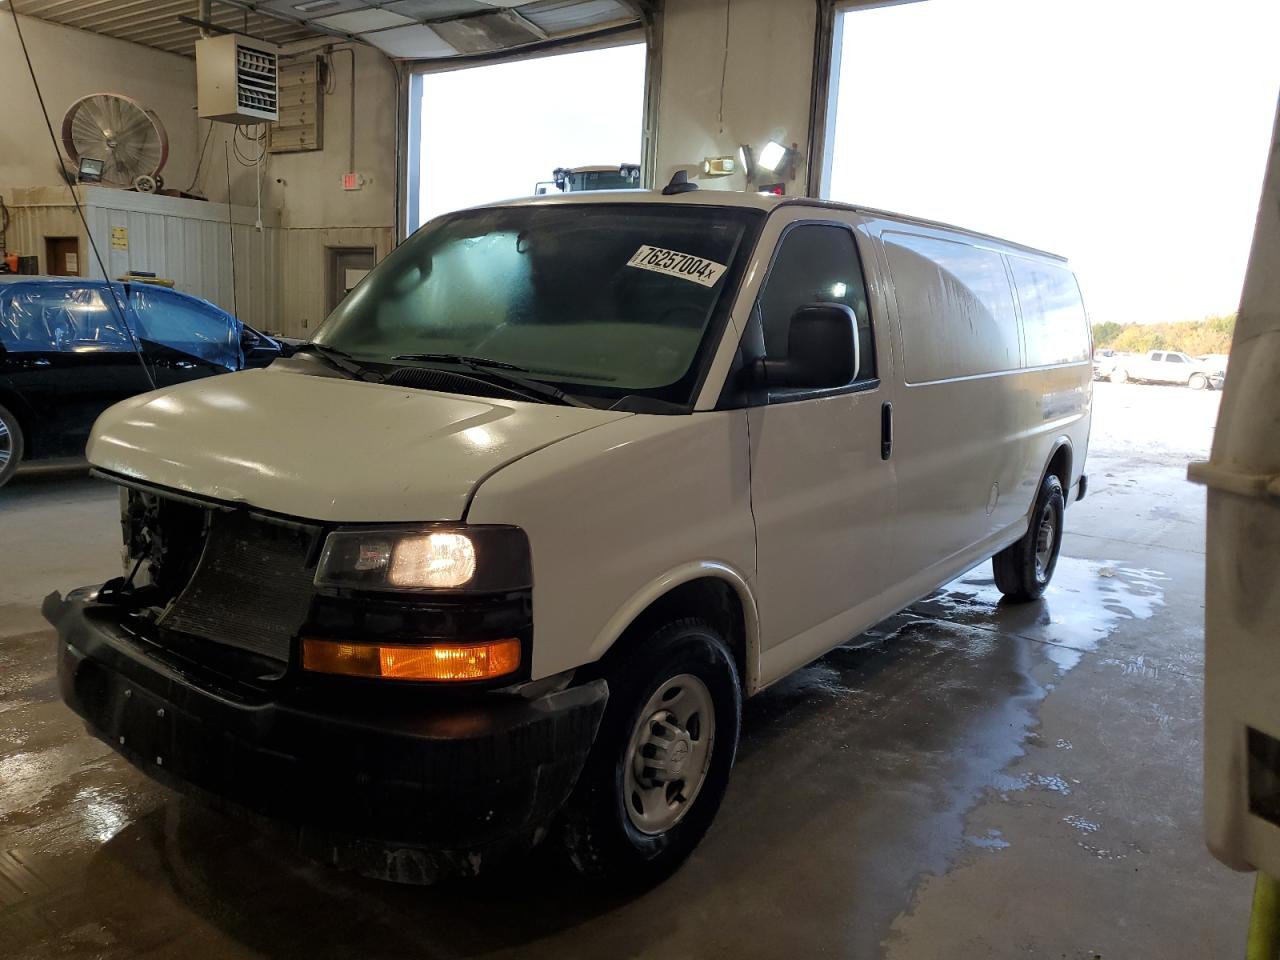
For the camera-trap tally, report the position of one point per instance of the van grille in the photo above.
(252, 588)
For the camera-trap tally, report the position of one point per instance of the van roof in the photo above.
(754, 201)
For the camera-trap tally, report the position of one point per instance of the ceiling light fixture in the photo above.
(311, 5)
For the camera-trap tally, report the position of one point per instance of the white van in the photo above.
(558, 485)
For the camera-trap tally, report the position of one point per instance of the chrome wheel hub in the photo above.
(6, 445)
(1045, 535)
(669, 754)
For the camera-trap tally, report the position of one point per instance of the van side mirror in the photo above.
(822, 349)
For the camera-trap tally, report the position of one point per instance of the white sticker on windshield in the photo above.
(675, 264)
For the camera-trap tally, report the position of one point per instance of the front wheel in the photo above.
(1119, 375)
(1024, 569)
(1198, 381)
(11, 445)
(660, 765)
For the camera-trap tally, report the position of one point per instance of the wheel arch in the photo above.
(702, 588)
(1059, 463)
(12, 401)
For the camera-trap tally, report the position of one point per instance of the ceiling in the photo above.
(412, 29)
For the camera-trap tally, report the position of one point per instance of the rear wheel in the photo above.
(661, 761)
(1198, 381)
(1024, 569)
(1119, 375)
(11, 445)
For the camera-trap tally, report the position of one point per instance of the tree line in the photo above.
(1194, 337)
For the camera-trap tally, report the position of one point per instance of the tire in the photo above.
(1023, 569)
(1198, 381)
(609, 831)
(1119, 375)
(12, 445)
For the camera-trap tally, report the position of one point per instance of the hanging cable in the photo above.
(246, 156)
(114, 299)
(231, 236)
(724, 63)
(204, 147)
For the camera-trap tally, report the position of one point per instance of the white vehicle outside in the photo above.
(1166, 366)
(556, 486)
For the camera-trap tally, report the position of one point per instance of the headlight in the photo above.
(472, 559)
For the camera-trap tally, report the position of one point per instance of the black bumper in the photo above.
(386, 786)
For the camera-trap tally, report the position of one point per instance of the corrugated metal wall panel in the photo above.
(182, 240)
(281, 282)
(303, 264)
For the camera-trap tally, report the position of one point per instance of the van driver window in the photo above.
(817, 263)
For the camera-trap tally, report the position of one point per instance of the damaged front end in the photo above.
(189, 665)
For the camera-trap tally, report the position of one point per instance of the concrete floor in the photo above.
(967, 780)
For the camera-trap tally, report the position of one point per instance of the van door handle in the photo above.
(886, 430)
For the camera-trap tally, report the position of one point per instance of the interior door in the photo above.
(347, 266)
(62, 256)
(821, 485)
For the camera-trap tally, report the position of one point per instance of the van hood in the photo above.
(324, 448)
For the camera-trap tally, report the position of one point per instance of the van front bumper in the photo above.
(381, 784)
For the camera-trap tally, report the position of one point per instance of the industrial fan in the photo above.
(127, 140)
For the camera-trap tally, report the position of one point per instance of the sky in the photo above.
(516, 122)
(1128, 135)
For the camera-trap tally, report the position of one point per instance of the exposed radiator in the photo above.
(252, 588)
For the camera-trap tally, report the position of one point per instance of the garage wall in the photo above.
(307, 187)
(71, 63)
(764, 93)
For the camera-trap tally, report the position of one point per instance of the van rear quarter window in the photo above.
(956, 308)
(1053, 317)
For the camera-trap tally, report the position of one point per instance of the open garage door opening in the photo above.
(1089, 129)
(494, 132)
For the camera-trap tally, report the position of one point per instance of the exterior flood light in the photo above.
(772, 156)
(90, 170)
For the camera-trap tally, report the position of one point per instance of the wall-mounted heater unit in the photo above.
(237, 79)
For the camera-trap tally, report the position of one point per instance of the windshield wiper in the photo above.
(495, 369)
(460, 358)
(341, 360)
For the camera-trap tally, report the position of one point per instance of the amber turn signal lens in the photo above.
(436, 661)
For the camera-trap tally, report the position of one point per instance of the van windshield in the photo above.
(603, 300)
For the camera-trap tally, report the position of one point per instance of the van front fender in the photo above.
(660, 586)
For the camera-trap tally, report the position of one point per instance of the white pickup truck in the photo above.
(1165, 366)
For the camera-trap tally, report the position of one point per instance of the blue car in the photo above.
(67, 352)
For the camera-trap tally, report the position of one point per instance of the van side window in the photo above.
(955, 306)
(1053, 317)
(817, 263)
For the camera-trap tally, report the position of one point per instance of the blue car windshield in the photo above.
(600, 299)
